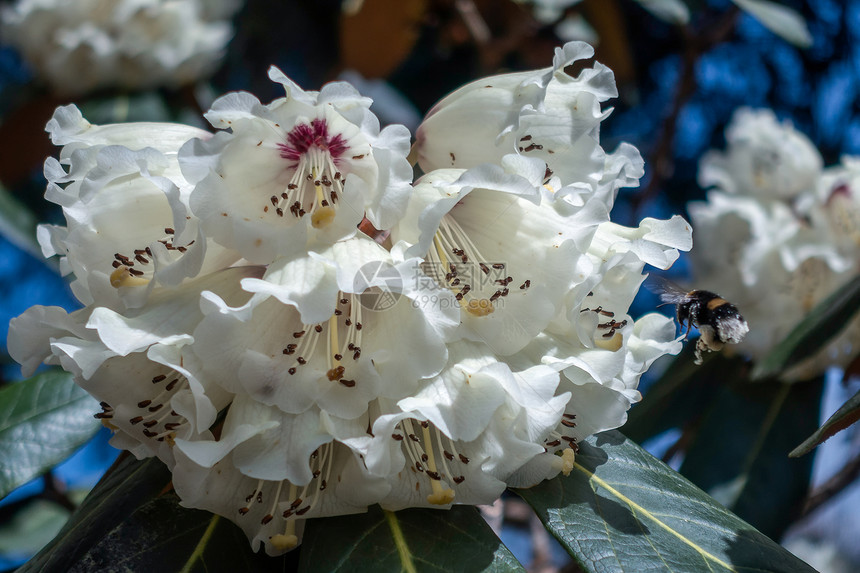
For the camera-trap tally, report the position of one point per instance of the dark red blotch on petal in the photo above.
(306, 136)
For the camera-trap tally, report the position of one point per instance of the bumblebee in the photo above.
(718, 320)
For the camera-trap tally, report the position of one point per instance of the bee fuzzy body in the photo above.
(718, 320)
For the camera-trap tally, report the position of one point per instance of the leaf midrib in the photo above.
(645, 513)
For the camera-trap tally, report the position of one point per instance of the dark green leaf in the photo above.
(43, 420)
(739, 454)
(132, 521)
(846, 415)
(821, 324)
(408, 540)
(681, 393)
(621, 510)
(18, 223)
(141, 106)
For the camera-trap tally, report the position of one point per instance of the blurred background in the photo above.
(679, 79)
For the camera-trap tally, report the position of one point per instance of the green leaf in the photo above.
(846, 415)
(18, 223)
(820, 325)
(621, 510)
(43, 420)
(124, 108)
(132, 521)
(739, 454)
(410, 540)
(781, 20)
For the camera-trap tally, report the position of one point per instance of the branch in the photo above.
(695, 43)
(832, 487)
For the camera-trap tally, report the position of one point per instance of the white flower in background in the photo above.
(333, 330)
(544, 114)
(137, 364)
(81, 46)
(301, 171)
(128, 228)
(765, 158)
(779, 233)
(269, 471)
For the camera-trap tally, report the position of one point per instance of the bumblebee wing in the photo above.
(669, 292)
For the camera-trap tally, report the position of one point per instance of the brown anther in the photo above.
(335, 373)
(298, 334)
(144, 403)
(136, 420)
(291, 371)
(568, 423)
(458, 479)
(156, 408)
(171, 384)
(464, 459)
(169, 230)
(243, 510)
(347, 383)
(433, 475)
(397, 437)
(266, 519)
(303, 510)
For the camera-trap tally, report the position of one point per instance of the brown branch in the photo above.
(696, 43)
(832, 487)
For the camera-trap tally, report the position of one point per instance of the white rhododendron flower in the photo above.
(544, 114)
(464, 432)
(301, 171)
(81, 46)
(269, 471)
(505, 246)
(780, 231)
(286, 365)
(765, 158)
(316, 334)
(127, 223)
(135, 363)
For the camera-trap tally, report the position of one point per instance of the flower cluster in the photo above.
(780, 232)
(77, 47)
(297, 329)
